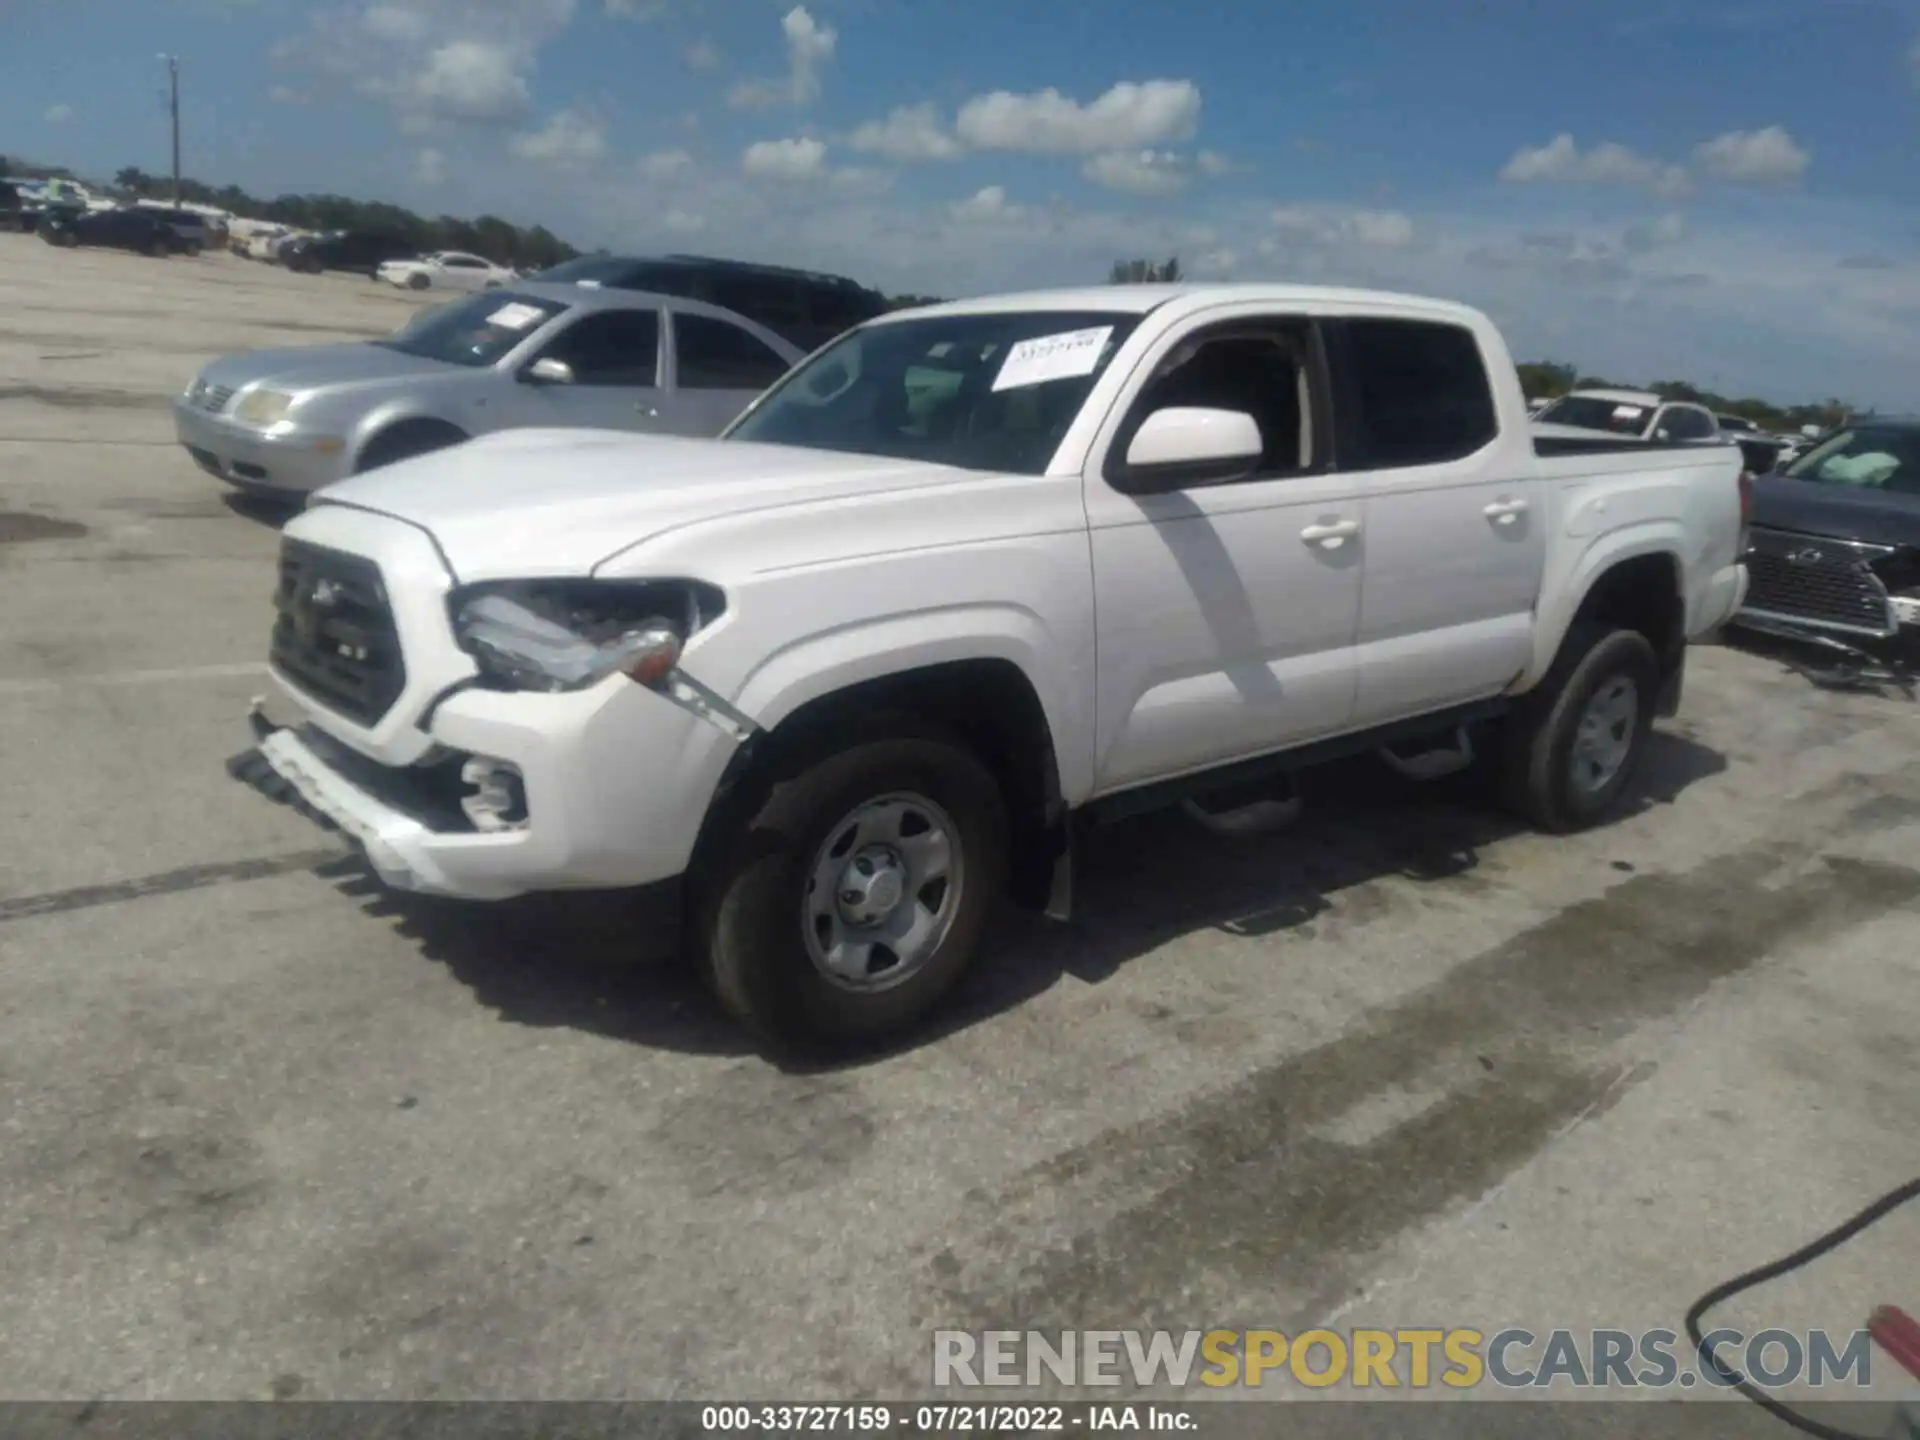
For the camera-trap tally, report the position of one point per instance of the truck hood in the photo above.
(1842, 512)
(309, 367)
(519, 503)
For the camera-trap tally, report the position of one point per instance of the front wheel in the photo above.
(1571, 749)
(857, 896)
(417, 282)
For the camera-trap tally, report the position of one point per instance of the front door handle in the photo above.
(1505, 512)
(1331, 537)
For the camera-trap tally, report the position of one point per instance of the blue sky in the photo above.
(1723, 190)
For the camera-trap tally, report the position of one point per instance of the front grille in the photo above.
(211, 398)
(333, 632)
(1812, 580)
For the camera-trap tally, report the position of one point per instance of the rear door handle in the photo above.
(1331, 537)
(1505, 512)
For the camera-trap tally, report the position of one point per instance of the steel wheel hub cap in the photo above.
(1604, 737)
(882, 892)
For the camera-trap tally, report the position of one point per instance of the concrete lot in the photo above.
(270, 1133)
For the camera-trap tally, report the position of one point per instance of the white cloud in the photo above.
(810, 45)
(912, 132)
(702, 55)
(1913, 62)
(58, 114)
(287, 95)
(785, 160)
(642, 10)
(433, 61)
(665, 164)
(1655, 234)
(679, 222)
(1561, 161)
(1130, 116)
(1333, 229)
(1213, 163)
(472, 80)
(1138, 172)
(990, 203)
(430, 168)
(569, 140)
(1753, 157)
(1217, 264)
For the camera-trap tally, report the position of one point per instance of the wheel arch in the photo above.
(987, 702)
(389, 425)
(1634, 579)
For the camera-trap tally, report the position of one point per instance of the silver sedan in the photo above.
(291, 421)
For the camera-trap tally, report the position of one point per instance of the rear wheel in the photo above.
(857, 896)
(406, 441)
(417, 281)
(1571, 749)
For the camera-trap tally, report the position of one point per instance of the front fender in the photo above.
(821, 664)
(1586, 559)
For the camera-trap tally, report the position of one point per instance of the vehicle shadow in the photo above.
(603, 964)
(266, 510)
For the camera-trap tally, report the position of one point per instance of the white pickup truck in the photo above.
(970, 578)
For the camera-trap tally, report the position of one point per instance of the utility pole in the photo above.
(173, 108)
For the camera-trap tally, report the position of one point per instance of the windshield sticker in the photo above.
(515, 316)
(1628, 412)
(1052, 357)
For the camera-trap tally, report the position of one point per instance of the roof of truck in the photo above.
(1139, 299)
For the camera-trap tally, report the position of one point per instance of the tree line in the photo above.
(1549, 379)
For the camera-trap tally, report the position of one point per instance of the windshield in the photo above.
(983, 392)
(1590, 412)
(476, 331)
(1873, 457)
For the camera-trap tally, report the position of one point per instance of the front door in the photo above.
(1226, 612)
(1456, 537)
(718, 368)
(615, 359)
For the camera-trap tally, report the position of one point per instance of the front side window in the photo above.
(713, 355)
(1422, 392)
(1869, 457)
(981, 392)
(477, 331)
(1261, 369)
(610, 347)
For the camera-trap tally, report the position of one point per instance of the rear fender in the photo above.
(1565, 594)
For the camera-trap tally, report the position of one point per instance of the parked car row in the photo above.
(840, 656)
(145, 229)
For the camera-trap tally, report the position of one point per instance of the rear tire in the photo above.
(418, 282)
(1572, 747)
(777, 943)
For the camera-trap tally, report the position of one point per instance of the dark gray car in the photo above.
(528, 355)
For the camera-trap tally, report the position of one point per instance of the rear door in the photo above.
(718, 368)
(1456, 540)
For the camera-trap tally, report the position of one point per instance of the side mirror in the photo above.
(548, 371)
(1191, 445)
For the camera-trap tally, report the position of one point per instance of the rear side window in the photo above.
(713, 355)
(1420, 392)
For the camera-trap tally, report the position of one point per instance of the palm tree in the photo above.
(133, 178)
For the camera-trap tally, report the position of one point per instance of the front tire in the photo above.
(1572, 748)
(857, 896)
(417, 282)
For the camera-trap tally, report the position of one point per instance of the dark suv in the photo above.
(360, 251)
(800, 306)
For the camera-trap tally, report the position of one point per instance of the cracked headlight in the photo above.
(567, 635)
(263, 407)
